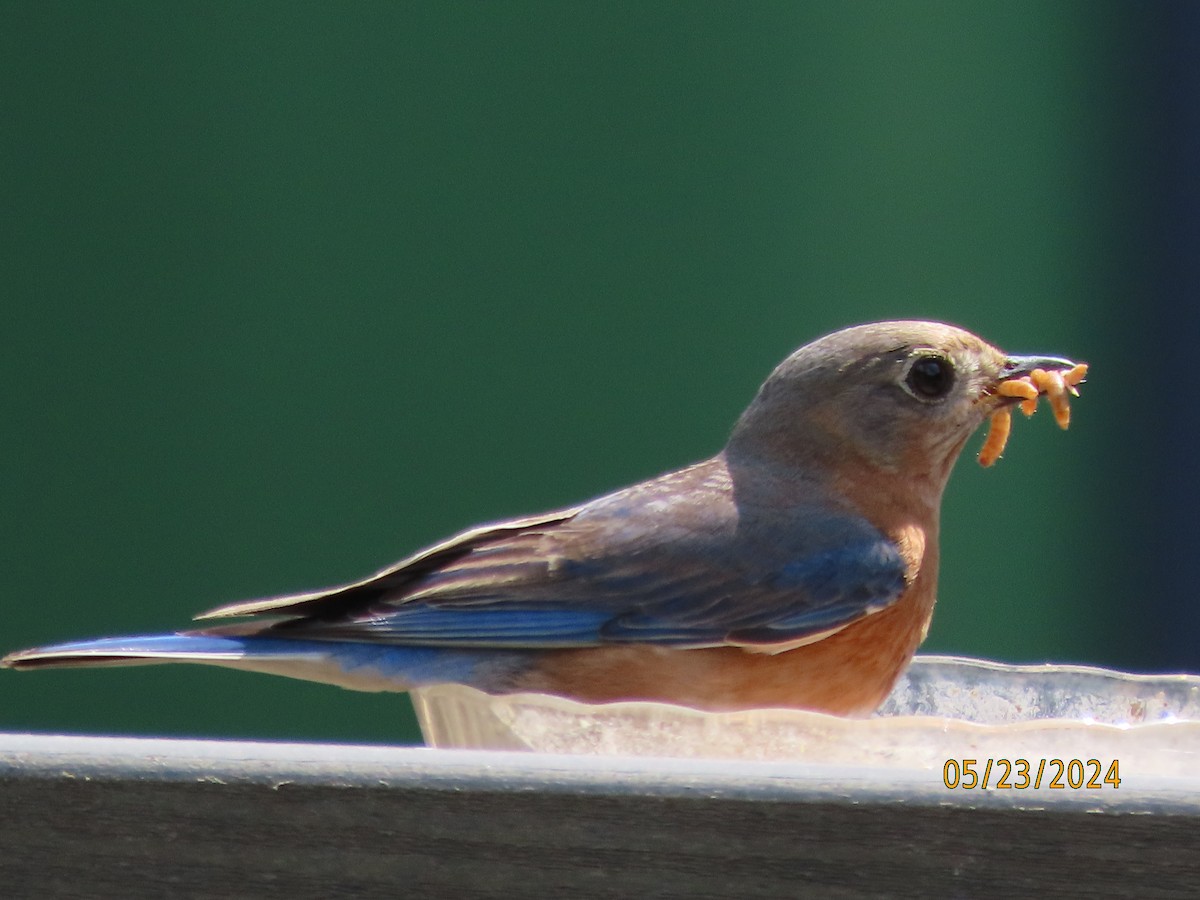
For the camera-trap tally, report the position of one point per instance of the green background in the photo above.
(291, 290)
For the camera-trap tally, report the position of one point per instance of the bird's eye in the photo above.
(930, 377)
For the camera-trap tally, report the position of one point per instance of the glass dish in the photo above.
(942, 708)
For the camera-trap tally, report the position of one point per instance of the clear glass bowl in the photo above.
(942, 708)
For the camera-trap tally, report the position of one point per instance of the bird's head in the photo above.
(890, 399)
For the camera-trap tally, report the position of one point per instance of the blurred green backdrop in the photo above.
(292, 289)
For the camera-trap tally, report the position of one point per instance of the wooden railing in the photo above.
(133, 818)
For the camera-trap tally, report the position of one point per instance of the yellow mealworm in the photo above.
(1058, 386)
(1075, 376)
(1056, 393)
(1055, 389)
(1020, 387)
(1017, 387)
(997, 436)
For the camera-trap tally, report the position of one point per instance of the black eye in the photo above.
(930, 377)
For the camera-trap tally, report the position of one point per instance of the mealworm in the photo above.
(1020, 387)
(1075, 376)
(997, 436)
(1055, 387)
(1058, 386)
(1017, 387)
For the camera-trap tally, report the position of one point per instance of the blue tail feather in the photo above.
(362, 666)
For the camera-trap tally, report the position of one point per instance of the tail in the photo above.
(357, 666)
(129, 651)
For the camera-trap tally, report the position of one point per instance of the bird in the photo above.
(796, 568)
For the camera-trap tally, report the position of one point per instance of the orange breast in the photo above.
(848, 673)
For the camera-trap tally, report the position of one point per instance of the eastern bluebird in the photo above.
(796, 568)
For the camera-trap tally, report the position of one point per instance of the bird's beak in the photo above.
(1016, 366)
(1020, 366)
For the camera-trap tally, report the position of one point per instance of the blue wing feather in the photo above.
(665, 562)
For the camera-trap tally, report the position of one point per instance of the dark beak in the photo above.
(1016, 366)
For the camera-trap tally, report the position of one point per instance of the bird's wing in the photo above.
(652, 564)
(393, 578)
